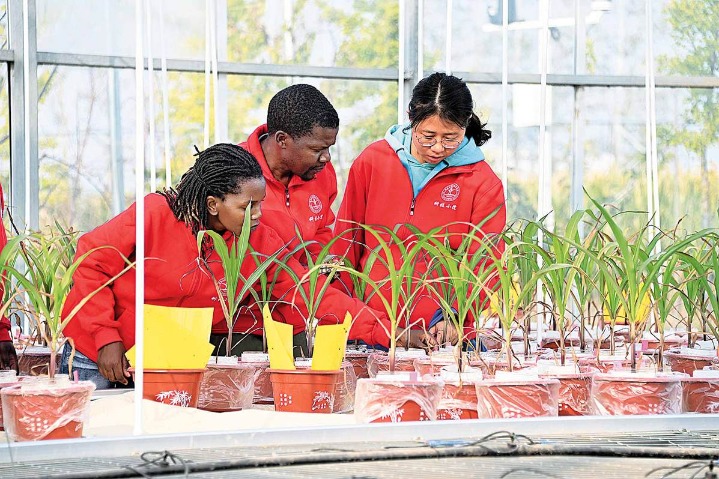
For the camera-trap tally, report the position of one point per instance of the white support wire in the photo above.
(26, 108)
(420, 35)
(544, 196)
(151, 96)
(165, 100)
(505, 95)
(206, 133)
(400, 65)
(651, 126)
(448, 41)
(140, 219)
(215, 82)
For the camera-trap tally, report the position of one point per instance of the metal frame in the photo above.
(412, 431)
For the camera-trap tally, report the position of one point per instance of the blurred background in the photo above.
(576, 93)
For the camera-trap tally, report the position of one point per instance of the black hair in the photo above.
(297, 109)
(219, 170)
(450, 98)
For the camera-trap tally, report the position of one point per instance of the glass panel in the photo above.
(615, 37)
(477, 44)
(346, 33)
(75, 143)
(107, 27)
(685, 39)
(3, 25)
(688, 147)
(613, 129)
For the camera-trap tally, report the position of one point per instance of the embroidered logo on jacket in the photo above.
(315, 204)
(450, 192)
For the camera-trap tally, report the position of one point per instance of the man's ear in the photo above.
(281, 138)
(212, 205)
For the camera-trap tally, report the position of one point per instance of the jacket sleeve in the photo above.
(97, 316)
(351, 214)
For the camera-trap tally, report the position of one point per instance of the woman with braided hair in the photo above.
(212, 195)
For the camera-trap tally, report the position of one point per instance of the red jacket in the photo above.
(306, 205)
(379, 192)
(4, 321)
(173, 277)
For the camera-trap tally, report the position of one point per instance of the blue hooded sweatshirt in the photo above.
(422, 173)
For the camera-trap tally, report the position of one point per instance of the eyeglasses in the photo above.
(430, 142)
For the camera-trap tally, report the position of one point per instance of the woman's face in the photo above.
(229, 214)
(443, 136)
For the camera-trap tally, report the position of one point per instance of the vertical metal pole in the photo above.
(115, 124)
(140, 219)
(24, 164)
(213, 59)
(411, 52)
(16, 189)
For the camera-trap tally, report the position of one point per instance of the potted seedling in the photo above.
(701, 392)
(457, 279)
(229, 384)
(632, 269)
(395, 396)
(514, 394)
(53, 407)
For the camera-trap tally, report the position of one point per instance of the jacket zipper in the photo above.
(287, 196)
(411, 206)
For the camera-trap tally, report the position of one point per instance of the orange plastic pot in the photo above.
(46, 409)
(688, 363)
(386, 399)
(176, 387)
(516, 398)
(636, 394)
(359, 362)
(304, 390)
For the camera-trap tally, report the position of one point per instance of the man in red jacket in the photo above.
(293, 149)
(8, 356)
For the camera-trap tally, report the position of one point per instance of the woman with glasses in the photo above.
(427, 173)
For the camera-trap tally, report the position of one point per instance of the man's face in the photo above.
(307, 156)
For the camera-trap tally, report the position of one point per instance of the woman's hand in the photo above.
(112, 363)
(444, 333)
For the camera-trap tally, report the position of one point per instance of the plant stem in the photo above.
(633, 346)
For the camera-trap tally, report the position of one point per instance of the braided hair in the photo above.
(219, 170)
(450, 98)
(297, 109)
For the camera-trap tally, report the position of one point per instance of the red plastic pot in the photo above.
(687, 363)
(701, 395)
(46, 409)
(304, 390)
(574, 393)
(359, 362)
(176, 387)
(636, 394)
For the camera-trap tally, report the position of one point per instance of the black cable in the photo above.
(529, 470)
